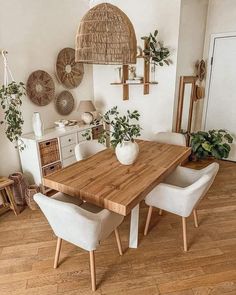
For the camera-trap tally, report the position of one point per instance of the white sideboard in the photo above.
(54, 150)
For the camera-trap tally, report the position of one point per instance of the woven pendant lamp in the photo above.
(106, 36)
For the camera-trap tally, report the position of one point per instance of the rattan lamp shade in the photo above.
(106, 36)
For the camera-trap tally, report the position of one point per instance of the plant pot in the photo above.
(127, 152)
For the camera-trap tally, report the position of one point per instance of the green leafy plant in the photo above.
(214, 143)
(87, 134)
(11, 101)
(154, 51)
(121, 128)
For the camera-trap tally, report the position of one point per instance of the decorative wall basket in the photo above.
(69, 72)
(64, 103)
(106, 36)
(40, 88)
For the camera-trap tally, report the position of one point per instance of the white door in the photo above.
(221, 106)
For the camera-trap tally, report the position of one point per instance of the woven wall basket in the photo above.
(69, 72)
(64, 103)
(106, 36)
(40, 88)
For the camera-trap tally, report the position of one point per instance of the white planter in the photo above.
(37, 125)
(127, 152)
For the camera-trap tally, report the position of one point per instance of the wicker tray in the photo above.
(40, 88)
(64, 103)
(69, 72)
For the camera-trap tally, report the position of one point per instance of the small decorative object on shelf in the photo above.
(61, 123)
(122, 133)
(118, 76)
(214, 143)
(86, 107)
(132, 72)
(37, 125)
(11, 94)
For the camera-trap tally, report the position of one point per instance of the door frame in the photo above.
(213, 38)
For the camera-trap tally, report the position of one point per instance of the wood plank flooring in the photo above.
(158, 266)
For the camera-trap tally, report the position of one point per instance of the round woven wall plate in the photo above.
(40, 88)
(69, 72)
(64, 103)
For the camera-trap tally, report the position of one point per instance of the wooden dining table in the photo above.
(103, 181)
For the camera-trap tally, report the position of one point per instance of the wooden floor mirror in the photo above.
(186, 99)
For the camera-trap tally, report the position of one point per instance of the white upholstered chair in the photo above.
(87, 148)
(170, 138)
(181, 193)
(85, 225)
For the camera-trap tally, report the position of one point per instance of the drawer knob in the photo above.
(69, 139)
(71, 151)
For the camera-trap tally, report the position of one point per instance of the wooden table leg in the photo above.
(11, 200)
(133, 235)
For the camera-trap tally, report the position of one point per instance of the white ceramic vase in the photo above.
(87, 117)
(37, 125)
(127, 152)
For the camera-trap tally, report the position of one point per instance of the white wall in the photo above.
(193, 19)
(156, 109)
(34, 32)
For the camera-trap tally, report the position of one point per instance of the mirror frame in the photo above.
(183, 81)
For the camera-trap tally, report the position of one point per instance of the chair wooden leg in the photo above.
(58, 250)
(92, 270)
(184, 233)
(160, 212)
(148, 220)
(195, 218)
(118, 241)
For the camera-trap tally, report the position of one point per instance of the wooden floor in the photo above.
(158, 266)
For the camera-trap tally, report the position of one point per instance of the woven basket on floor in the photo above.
(30, 192)
(106, 36)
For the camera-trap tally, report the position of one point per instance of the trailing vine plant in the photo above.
(11, 101)
(154, 51)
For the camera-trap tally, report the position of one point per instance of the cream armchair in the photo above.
(181, 193)
(84, 226)
(88, 148)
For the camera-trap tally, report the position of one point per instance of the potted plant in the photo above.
(154, 51)
(214, 143)
(11, 101)
(122, 132)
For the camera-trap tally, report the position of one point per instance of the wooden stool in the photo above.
(6, 195)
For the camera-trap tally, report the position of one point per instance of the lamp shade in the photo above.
(106, 36)
(86, 106)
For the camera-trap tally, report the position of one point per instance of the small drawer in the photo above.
(51, 168)
(97, 131)
(68, 151)
(68, 139)
(69, 161)
(49, 151)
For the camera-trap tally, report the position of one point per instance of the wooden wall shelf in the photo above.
(146, 78)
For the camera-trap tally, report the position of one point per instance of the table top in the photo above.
(103, 181)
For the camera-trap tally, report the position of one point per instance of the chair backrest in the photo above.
(171, 138)
(70, 222)
(196, 191)
(87, 148)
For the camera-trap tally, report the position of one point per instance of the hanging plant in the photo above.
(11, 101)
(154, 51)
